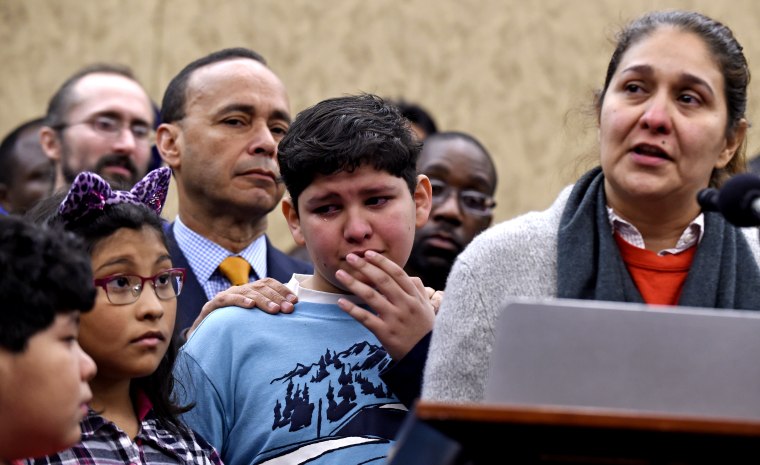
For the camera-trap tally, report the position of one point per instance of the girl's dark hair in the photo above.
(93, 228)
(727, 53)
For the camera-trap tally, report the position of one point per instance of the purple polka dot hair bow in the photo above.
(90, 192)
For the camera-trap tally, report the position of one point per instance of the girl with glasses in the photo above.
(132, 418)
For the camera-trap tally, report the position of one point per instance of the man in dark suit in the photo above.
(222, 118)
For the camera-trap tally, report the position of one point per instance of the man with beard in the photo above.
(100, 119)
(463, 178)
(222, 118)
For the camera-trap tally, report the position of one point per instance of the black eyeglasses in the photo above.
(474, 202)
(111, 127)
(126, 289)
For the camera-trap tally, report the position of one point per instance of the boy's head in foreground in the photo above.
(349, 164)
(46, 282)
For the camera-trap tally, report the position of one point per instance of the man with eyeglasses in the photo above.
(463, 178)
(100, 119)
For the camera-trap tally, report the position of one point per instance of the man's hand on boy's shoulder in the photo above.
(266, 294)
(403, 307)
(272, 296)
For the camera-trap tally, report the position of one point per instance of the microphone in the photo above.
(708, 199)
(739, 200)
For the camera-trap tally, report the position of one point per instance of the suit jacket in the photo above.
(192, 298)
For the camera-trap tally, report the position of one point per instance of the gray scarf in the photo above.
(589, 266)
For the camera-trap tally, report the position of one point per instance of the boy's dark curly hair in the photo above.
(43, 272)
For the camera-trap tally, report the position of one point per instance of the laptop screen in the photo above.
(654, 359)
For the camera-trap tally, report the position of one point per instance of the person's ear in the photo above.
(168, 137)
(51, 143)
(732, 144)
(294, 222)
(423, 200)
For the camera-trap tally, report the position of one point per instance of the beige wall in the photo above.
(516, 74)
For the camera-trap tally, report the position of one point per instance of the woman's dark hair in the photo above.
(93, 228)
(726, 51)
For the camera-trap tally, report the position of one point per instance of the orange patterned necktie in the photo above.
(236, 270)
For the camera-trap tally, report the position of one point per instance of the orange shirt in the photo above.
(659, 279)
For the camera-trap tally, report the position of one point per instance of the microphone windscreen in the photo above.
(708, 199)
(736, 197)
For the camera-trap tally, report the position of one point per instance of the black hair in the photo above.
(94, 228)
(173, 104)
(726, 51)
(342, 134)
(8, 161)
(61, 101)
(417, 115)
(45, 272)
(452, 135)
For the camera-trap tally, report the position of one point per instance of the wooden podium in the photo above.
(477, 434)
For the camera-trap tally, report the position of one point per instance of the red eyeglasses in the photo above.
(126, 289)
